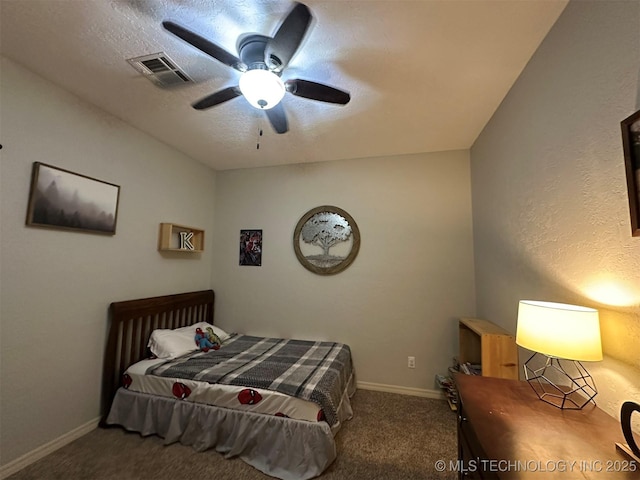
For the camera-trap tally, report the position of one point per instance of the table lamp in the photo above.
(561, 336)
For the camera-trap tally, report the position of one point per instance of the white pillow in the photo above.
(166, 343)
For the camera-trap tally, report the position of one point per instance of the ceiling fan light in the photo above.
(263, 89)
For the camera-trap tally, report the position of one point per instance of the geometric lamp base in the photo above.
(566, 386)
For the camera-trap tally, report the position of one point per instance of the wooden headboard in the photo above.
(132, 322)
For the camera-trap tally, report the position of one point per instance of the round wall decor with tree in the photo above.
(326, 240)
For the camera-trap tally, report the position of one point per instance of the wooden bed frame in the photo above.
(132, 322)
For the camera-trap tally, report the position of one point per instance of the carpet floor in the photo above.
(391, 437)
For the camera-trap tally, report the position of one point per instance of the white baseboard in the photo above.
(44, 450)
(416, 392)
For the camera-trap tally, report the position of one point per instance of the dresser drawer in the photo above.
(470, 453)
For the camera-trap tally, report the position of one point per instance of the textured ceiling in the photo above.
(423, 75)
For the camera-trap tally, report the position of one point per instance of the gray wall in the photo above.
(550, 206)
(413, 275)
(56, 286)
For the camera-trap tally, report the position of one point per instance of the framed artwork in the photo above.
(326, 240)
(631, 146)
(71, 201)
(251, 247)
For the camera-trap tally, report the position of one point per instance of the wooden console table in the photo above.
(506, 432)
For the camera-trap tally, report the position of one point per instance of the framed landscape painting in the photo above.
(71, 201)
(631, 145)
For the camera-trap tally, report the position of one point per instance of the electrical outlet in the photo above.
(411, 362)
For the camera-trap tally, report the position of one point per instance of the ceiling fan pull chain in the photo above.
(259, 135)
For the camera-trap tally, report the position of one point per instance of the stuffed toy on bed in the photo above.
(213, 338)
(203, 341)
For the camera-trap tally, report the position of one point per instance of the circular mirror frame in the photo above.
(355, 247)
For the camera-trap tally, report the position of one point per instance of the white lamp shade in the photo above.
(559, 330)
(262, 89)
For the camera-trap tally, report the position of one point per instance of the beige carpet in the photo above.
(391, 437)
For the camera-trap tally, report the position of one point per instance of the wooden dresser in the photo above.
(506, 432)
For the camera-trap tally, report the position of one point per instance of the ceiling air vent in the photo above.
(160, 69)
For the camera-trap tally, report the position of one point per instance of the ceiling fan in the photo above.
(262, 60)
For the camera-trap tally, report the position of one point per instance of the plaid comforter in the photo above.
(314, 371)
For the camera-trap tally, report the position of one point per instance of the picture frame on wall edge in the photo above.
(631, 146)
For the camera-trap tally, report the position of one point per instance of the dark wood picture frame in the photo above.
(631, 146)
(67, 200)
(326, 264)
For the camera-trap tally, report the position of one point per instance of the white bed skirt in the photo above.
(281, 447)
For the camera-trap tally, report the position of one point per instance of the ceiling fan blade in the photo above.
(288, 38)
(205, 46)
(317, 91)
(278, 118)
(217, 98)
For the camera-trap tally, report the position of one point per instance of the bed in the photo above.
(275, 403)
